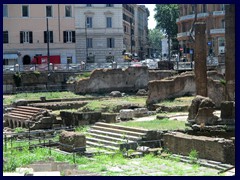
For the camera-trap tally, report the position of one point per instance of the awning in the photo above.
(10, 56)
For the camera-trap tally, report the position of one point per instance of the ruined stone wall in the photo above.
(171, 87)
(160, 74)
(31, 81)
(107, 80)
(217, 149)
(184, 84)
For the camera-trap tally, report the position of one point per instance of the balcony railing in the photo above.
(218, 13)
(217, 31)
(192, 16)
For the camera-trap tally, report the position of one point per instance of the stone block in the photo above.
(126, 114)
(140, 112)
(109, 117)
(228, 110)
(71, 141)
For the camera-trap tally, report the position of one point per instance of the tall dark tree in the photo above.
(166, 15)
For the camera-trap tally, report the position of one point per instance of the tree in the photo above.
(155, 37)
(166, 15)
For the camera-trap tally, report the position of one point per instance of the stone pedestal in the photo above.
(72, 142)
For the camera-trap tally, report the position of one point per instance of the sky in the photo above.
(151, 20)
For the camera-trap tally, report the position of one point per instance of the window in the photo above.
(109, 5)
(25, 10)
(193, 8)
(223, 23)
(26, 37)
(5, 37)
(48, 11)
(68, 11)
(109, 22)
(221, 41)
(69, 59)
(50, 36)
(222, 7)
(69, 36)
(204, 8)
(5, 10)
(89, 43)
(89, 22)
(89, 5)
(110, 42)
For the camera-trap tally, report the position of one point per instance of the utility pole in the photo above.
(131, 34)
(86, 39)
(48, 58)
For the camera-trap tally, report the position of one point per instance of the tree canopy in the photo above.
(166, 15)
(155, 37)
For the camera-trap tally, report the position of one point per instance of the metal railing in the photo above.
(211, 61)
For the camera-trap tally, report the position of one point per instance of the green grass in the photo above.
(104, 164)
(113, 104)
(164, 124)
(36, 96)
(186, 100)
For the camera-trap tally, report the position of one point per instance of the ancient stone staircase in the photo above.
(114, 137)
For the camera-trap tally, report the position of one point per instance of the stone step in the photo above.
(103, 142)
(109, 138)
(114, 126)
(26, 110)
(116, 135)
(119, 131)
(14, 117)
(20, 111)
(30, 108)
(94, 144)
(19, 115)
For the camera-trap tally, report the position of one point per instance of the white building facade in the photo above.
(99, 32)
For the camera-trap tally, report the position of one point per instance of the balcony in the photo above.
(192, 16)
(218, 13)
(183, 34)
(217, 31)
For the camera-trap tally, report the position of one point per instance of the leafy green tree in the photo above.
(166, 15)
(155, 37)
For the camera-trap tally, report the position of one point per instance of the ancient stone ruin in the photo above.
(201, 115)
(184, 84)
(72, 142)
(107, 80)
(29, 117)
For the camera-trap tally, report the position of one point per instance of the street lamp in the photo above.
(86, 24)
(131, 34)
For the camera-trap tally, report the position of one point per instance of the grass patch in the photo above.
(181, 101)
(164, 124)
(36, 96)
(113, 104)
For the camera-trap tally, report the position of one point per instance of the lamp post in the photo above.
(131, 34)
(48, 58)
(86, 39)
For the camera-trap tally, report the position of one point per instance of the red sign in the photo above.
(181, 49)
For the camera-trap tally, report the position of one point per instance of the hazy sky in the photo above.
(151, 20)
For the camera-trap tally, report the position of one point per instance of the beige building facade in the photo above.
(214, 16)
(25, 32)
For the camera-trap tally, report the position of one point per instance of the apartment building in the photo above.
(141, 31)
(105, 31)
(75, 32)
(214, 16)
(99, 32)
(25, 32)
